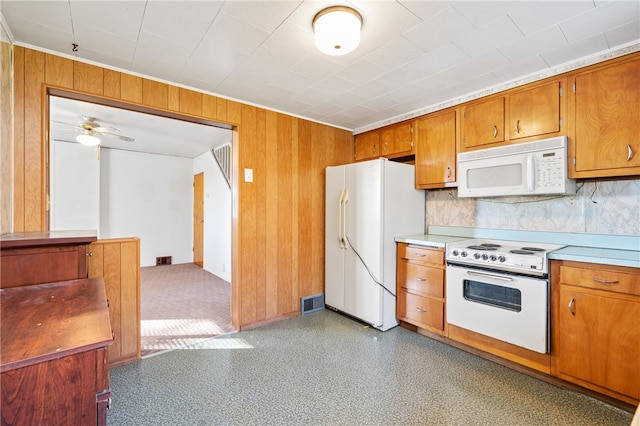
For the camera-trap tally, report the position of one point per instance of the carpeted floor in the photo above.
(181, 305)
(326, 369)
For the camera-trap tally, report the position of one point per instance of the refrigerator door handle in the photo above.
(341, 220)
(344, 197)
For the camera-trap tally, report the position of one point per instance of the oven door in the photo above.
(511, 308)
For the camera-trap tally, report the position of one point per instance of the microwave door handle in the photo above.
(531, 173)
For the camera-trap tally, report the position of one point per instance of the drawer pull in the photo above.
(420, 254)
(629, 153)
(605, 282)
(421, 310)
(420, 279)
(572, 302)
(495, 130)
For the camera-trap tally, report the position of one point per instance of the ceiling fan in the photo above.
(91, 129)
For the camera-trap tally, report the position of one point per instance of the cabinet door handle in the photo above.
(421, 310)
(495, 130)
(448, 172)
(90, 254)
(420, 279)
(605, 282)
(629, 153)
(572, 302)
(517, 128)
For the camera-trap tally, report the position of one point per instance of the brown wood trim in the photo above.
(533, 360)
(131, 106)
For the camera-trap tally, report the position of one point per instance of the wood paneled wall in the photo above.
(278, 229)
(6, 148)
(118, 262)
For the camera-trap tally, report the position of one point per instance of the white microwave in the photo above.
(530, 168)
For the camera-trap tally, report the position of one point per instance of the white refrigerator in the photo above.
(368, 204)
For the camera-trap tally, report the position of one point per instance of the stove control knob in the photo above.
(463, 254)
(493, 257)
(502, 258)
(485, 257)
(476, 255)
(455, 252)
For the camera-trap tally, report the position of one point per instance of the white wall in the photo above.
(217, 217)
(151, 197)
(75, 187)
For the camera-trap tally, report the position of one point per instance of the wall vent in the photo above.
(163, 260)
(311, 303)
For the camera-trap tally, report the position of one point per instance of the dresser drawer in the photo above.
(423, 279)
(601, 278)
(421, 254)
(420, 311)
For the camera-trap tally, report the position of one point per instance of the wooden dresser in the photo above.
(55, 331)
(53, 359)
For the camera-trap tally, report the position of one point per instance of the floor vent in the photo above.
(163, 260)
(312, 303)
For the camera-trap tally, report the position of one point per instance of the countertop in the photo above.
(428, 240)
(619, 250)
(603, 256)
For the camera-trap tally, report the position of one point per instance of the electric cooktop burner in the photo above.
(530, 258)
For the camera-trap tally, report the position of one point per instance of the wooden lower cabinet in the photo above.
(420, 286)
(118, 262)
(597, 328)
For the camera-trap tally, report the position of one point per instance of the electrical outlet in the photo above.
(248, 175)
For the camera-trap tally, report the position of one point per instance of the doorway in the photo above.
(66, 112)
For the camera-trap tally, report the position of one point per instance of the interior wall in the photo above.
(217, 217)
(277, 220)
(6, 133)
(148, 196)
(75, 190)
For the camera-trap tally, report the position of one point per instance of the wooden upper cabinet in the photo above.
(483, 123)
(535, 111)
(435, 148)
(367, 145)
(396, 140)
(607, 123)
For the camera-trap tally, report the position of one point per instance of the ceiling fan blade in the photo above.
(105, 129)
(114, 135)
(73, 126)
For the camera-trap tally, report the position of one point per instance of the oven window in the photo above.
(494, 295)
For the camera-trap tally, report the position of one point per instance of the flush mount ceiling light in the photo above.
(337, 30)
(88, 138)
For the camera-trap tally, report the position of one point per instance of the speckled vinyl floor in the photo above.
(326, 369)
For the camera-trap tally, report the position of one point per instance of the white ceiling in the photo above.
(152, 134)
(414, 55)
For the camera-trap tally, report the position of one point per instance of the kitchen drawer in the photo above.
(601, 279)
(420, 311)
(421, 254)
(423, 279)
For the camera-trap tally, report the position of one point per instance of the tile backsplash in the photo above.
(598, 207)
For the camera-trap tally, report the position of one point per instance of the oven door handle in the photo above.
(483, 274)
